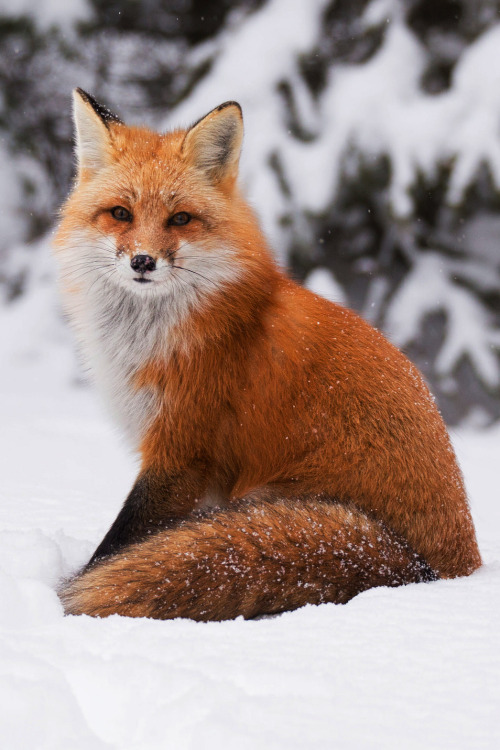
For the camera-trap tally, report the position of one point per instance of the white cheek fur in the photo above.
(122, 325)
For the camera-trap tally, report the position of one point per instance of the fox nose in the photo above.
(143, 263)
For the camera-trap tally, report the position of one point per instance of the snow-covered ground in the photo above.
(415, 667)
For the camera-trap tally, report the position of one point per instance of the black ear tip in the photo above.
(88, 98)
(218, 109)
(82, 93)
(230, 104)
(100, 110)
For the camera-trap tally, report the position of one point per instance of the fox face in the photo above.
(155, 215)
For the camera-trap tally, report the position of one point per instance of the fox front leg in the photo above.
(154, 502)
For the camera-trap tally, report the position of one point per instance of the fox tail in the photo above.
(249, 560)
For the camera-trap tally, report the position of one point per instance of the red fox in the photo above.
(289, 453)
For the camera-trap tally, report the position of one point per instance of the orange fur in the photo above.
(246, 561)
(263, 385)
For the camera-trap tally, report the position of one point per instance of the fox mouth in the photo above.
(142, 280)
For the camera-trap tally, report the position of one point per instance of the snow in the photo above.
(415, 667)
(239, 75)
(470, 330)
(322, 281)
(377, 108)
(10, 198)
(48, 13)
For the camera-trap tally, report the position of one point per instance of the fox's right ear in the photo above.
(92, 132)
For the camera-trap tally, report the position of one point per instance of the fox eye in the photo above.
(120, 213)
(180, 219)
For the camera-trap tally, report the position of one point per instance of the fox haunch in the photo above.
(237, 385)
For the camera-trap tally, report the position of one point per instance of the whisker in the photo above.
(85, 266)
(97, 229)
(83, 274)
(190, 270)
(178, 279)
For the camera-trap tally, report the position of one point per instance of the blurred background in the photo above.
(371, 154)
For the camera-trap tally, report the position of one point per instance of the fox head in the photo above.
(156, 214)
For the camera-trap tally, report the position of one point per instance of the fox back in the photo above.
(232, 382)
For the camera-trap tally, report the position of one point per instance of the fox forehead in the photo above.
(145, 164)
(135, 145)
(148, 169)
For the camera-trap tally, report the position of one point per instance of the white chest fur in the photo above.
(122, 333)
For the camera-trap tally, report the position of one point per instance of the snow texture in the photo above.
(413, 668)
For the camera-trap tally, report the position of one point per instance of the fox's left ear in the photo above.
(92, 131)
(213, 144)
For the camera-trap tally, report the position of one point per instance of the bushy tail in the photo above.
(249, 560)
